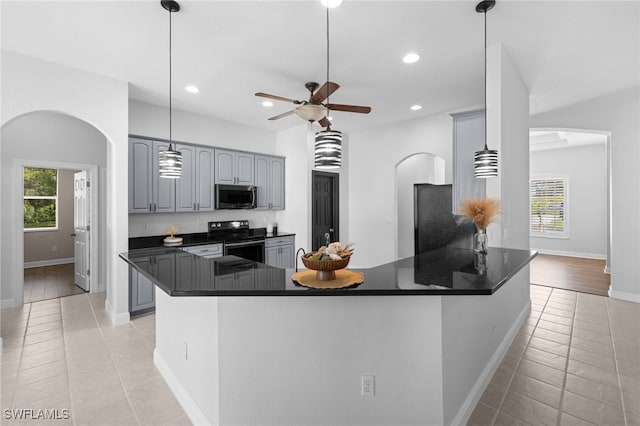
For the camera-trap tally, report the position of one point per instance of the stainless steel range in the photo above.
(239, 240)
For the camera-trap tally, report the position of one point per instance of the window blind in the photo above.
(548, 206)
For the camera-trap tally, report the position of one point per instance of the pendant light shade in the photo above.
(328, 149)
(170, 160)
(328, 144)
(485, 162)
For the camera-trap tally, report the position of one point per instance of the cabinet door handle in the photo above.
(150, 207)
(198, 206)
(155, 207)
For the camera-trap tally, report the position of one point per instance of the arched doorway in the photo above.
(416, 168)
(56, 140)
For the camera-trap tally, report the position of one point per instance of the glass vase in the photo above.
(480, 241)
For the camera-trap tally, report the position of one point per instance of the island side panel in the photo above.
(186, 353)
(300, 360)
(477, 331)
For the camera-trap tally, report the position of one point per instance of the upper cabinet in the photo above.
(148, 193)
(269, 181)
(195, 189)
(202, 168)
(234, 167)
(468, 137)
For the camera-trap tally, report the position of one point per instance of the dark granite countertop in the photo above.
(196, 238)
(443, 271)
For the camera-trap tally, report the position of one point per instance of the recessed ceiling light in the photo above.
(416, 107)
(192, 89)
(331, 3)
(410, 58)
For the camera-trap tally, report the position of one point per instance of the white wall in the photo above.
(508, 132)
(152, 121)
(30, 84)
(585, 167)
(618, 114)
(374, 155)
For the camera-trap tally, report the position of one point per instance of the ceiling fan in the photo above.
(313, 109)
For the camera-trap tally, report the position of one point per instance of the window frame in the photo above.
(43, 197)
(564, 234)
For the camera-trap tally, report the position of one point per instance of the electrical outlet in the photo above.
(368, 385)
(54, 248)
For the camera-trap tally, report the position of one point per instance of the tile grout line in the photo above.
(24, 337)
(498, 410)
(566, 364)
(615, 360)
(66, 360)
(115, 367)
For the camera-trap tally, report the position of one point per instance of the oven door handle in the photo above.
(244, 244)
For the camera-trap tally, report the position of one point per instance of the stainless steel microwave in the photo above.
(235, 197)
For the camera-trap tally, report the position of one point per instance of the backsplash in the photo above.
(142, 225)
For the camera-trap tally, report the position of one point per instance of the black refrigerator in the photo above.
(435, 223)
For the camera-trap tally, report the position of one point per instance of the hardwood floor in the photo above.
(49, 282)
(570, 273)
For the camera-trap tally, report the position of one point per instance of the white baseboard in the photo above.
(116, 319)
(572, 254)
(469, 404)
(188, 404)
(50, 262)
(624, 295)
(7, 303)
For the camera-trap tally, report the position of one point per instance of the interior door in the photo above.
(325, 208)
(82, 228)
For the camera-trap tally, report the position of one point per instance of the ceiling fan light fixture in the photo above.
(328, 149)
(311, 112)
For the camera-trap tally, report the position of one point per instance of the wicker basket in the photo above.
(325, 268)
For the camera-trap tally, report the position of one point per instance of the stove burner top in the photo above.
(233, 230)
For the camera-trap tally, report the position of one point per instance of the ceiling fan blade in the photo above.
(325, 91)
(277, 98)
(350, 108)
(284, 114)
(324, 122)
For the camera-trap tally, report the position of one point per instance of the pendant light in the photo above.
(485, 163)
(170, 161)
(328, 143)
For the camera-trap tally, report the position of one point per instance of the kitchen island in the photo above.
(236, 349)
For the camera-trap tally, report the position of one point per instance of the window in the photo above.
(40, 198)
(548, 199)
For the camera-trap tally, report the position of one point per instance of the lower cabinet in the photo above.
(142, 292)
(279, 252)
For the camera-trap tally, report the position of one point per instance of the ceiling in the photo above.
(565, 51)
(543, 140)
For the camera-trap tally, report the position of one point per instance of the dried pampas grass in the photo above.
(482, 211)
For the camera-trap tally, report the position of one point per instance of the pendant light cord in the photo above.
(329, 124)
(170, 78)
(485, 81)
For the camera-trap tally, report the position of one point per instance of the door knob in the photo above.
(72, 235)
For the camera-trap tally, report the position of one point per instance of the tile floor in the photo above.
(49, 282)
(65, 354)
(576, 361)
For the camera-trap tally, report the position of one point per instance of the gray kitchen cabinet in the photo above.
(468, 137)
(269, 181)
(195, 189)
(279, 252)
(234, 167)
(242, 280)
(142, 296)
(148, 193)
